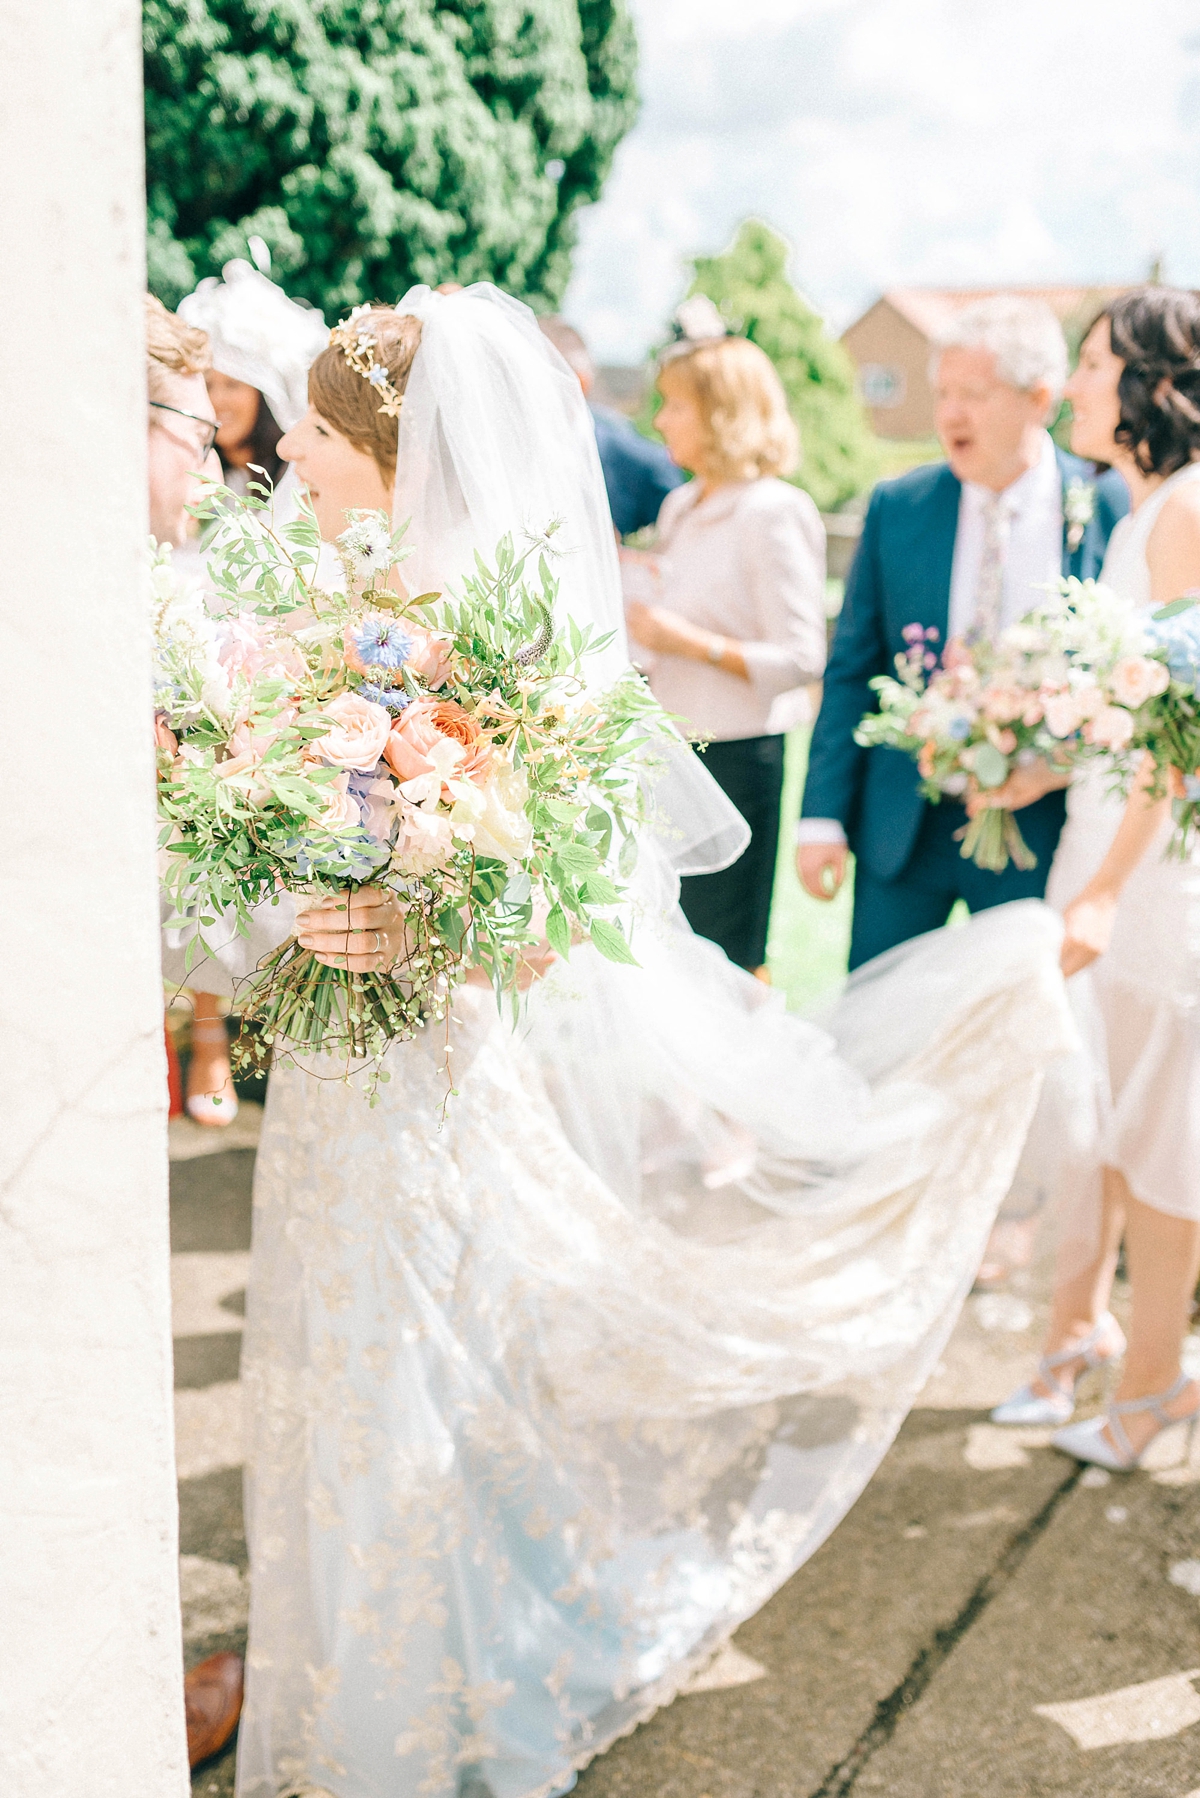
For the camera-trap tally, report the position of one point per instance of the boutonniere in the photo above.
(1079, 506)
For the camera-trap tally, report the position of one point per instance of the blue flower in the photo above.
(391, 697)
(959, 729)
(1180, 637)
(382, 643)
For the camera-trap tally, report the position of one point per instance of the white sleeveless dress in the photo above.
(1137, 1108)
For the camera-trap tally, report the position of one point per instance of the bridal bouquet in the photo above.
(1072, 679)
(446, 748)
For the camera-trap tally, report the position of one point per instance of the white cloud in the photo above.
(899, 142)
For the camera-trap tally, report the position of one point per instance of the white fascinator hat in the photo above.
(260, 336)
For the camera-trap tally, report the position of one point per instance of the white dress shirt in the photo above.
(1033, 558)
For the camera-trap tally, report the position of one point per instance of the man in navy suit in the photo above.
(958, 547)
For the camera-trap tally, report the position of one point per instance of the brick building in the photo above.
(890, 344)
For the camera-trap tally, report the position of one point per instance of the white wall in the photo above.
(90, 1658)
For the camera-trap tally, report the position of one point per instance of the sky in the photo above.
(898, 143)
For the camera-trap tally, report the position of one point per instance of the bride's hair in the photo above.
(1156, 333)
(741, 400)
(349, 402)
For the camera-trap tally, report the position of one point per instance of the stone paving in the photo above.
(988, 1622)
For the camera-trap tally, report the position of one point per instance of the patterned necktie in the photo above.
(989, 589)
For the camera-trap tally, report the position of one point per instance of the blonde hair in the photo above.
(743, 405)
(349, 402)
(172, 348)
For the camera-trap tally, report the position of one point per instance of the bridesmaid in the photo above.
(739, 622)
(1136, 403)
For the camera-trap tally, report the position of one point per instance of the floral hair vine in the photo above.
(358, 347)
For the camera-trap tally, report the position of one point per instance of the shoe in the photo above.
(1087, 1443)
(1041, 1409)
(212, 1694)
(213, 1109)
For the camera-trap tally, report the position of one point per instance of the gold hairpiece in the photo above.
(358, 347)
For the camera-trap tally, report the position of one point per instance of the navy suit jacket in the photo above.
(900, 576)
(638, 474)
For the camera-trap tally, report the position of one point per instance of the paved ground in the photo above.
(979, 1580)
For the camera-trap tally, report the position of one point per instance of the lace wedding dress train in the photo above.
(524, 1449)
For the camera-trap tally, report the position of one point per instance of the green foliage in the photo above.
(374, 143)
(749, 283)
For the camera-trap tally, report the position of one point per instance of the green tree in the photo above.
(374, 143)
(749, 283)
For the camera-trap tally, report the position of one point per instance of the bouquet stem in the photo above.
(992, 839)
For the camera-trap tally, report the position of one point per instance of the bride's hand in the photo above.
(1087, 928)
(361, 931)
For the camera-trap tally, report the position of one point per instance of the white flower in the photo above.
(504, 829)
(1079, 506)
(366, 546)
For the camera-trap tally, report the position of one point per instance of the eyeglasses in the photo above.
(210, 429)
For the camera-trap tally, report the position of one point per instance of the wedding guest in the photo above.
(261, 345)
(182, 430)
(959, 547)
(738, 621)
(638, 473)
(1133, 1168)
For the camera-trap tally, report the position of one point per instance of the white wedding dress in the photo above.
(1136, 1089)
(552, 1384)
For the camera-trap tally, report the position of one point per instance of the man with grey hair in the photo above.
(958, 547)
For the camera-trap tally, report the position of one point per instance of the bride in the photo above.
(547, 1398)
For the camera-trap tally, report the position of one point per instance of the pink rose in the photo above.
(1005, 741)
(425, 841)
(1135, 679)
(359, 734)
(342, 808)
(1111, 728)
(429, 657)
(249, 646)
(1062, 713)
(1003, 704)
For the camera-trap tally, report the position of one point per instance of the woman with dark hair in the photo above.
(263, 344)
(1132, 1170)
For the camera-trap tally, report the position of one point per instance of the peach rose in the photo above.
(1111, 728)
(416, 746)
(164, 736)
(1135, 679)
(359, 735)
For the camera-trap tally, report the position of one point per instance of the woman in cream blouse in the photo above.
(738, 619)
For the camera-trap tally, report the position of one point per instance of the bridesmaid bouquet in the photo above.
(446, 748)
(1072, 680)
(1168, 724)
